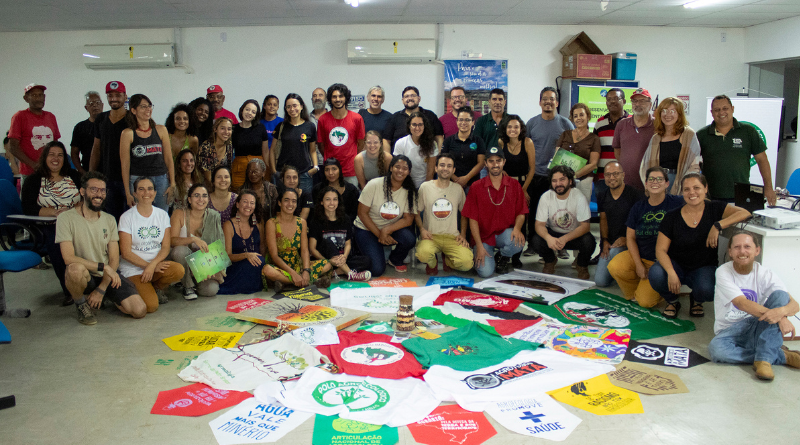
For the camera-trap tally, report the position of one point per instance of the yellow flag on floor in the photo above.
(202, 340)
(599, 396)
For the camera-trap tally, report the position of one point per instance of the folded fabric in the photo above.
(469, 298)
(436, 314)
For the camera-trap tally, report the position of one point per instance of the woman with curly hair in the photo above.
(203, 120)
(181, 126)
(420, 148)
(255, 179)
(187, 175)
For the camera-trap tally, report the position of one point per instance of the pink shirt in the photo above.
(450, 124)
(632, 142)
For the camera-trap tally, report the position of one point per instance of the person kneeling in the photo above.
(751, 307)
(244, 245)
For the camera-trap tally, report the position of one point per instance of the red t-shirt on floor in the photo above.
(368, 354)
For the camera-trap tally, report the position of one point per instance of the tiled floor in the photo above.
(86, 385)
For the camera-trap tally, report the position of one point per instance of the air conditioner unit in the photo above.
(391, 51)
(131, 56)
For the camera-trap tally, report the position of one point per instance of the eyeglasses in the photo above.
(613, 174)
(417, 125)
(667, 112)
(462, 121)
(97, 190)
(146, 107)
(657, 180)
(410, 96)
(640, 101)
(198, 195)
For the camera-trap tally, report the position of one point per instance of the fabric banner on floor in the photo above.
(255, 422)
(603, 345)
(392, 282)
(333, 430)
(368, 354)
(469, 298)
(451, 281)
(297, 314)
(202, 340)
(598, 308)
(451, 424)
(196, 400)
(318, 335)
(599, 396)
(223, 322)
(243, 305)
(646, 380)
(542, 288)
(169, 363)
(537, 415)
(310, 293)
(381, 300)
(540, 333)
(674, 356)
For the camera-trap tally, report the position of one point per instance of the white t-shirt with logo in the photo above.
(563, 215)
(419, 165)
(146, 236)
(381, 211)
(756, 286)
(441, 207)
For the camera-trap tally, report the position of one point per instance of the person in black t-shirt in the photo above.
(334, 177)
(375, 117)
(396, 128)
(686, 249)
(295, 142)
(330, 237)
(82, 134)
(107, 132)
(290, 178)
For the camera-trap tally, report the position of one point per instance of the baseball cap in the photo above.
(494, 151)
(34, 85)
(214, 89)
(115, 86)
(641, 92)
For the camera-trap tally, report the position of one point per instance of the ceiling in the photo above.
(37, 15)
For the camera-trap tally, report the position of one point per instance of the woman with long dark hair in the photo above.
(290, 178)
(221, 198)
(520, 164)
(217, 150)
(386, 211)
(181, 126)
(420, 148)
(186, 176)
(250, 141)
(203, 119)
(330, 235)
(373, 161)
(245, 245)
(295, 142)
(144, 150)
(335, 178)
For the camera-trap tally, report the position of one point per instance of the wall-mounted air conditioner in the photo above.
(391, 51)
(131, 56)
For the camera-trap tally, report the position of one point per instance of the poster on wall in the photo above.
(595, 98)
(478, 77)
(765, 115)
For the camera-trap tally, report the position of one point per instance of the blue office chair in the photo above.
(5, 171)
(794, 183)
(17, 254)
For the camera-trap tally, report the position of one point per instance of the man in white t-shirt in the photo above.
(751, 306)
(440, 202)
(562, 222)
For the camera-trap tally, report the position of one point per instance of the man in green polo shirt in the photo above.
(726, 146)
(487, 127)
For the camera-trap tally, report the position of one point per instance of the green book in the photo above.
(203, 264)
(564, 157)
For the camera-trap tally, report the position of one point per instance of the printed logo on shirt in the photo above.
(373, 354)
(355, 396)
(338, 136)
(459, 350)
(645, 352)
(736, 314)
(41, 136)
(389, 210)
(650, 223)
(353, 426)
(503, 375)
(442, 208)
(473, 146)
(149, 232)
(483, 301)
(146, 150)
(737, 142)
(303, 137)
(591, 314)
(563, 219)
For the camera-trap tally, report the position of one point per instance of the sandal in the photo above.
(696, 309)
(671, 314)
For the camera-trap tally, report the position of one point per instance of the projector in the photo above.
(777, 218)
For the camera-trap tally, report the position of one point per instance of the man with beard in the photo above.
(562, 222)
(488, 127)
(496, 210)
(340, 132)
(107, 132)
(375, 117)
(82, 134)
(396, 128)
(90, 246)
(215, 95)
(440, 201)
(632, 137)
(458, 100)
(317, 105)
(613, 204)
(32, 129)
(604, 129)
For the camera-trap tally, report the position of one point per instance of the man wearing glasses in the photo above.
(82, 134)
(604, 129)
(614, 204)
(396, 127)
(632, 137)
(458, 100)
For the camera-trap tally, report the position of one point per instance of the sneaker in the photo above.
(189, 293)
(549, 268)
(529, 251)
(563, 254)
(503, 265)
(401, 268)
(162, 296)
(763, 371)
(359, 276)
(324, 281)
(85, 314)
(583, 273)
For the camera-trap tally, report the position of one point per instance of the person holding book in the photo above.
(582, 143)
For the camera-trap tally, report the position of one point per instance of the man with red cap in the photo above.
(107, 131)
(215, 95)
(632, 137)
(32, 129)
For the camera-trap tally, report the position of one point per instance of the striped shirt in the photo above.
(605, 129)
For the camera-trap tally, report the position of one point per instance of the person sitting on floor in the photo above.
(89, 244)
(290, 178)
(245, 245)
(347, 192)
(287, 243)
(562, 222)
(751, 306)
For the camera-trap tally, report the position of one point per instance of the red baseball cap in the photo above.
(214, 89)
(34, 85)
(641, 92)
(115, 86)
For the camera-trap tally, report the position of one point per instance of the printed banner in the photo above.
(347, 285)
(243, 305)
(508, 327)
(224, 322)
(469, 298)
(297, 314)
(478, 77)
(598, 308)
(538, 416)
(202, 340)
(540, 333)
(674, 356)
(541, 288)
(592, 343)
(392, 282)
(168, 363)
(451, 281)
(310, 293)
(381, 300)
(368, 354)
(317, 335)
(255, 422)
(595, 98)
(204, 264)
(646, 380)
(196, 400)
(451, 424)
(599, 396)
(333, 430)
(376, 327)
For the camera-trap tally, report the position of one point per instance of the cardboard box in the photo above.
(583, 59)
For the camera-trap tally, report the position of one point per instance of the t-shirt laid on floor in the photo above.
(34, 131)
(248, 141)
(419, 164)
(375, 122)
(441, 207)
(544, 134)
(617, 210)
(383, 212)
(688, 244)
(368, 354)
(89, 239)
(468, 298)
(339, 138)
(465, 349)
(294, 145)
(146, 233)
(337, 232)
(646, 219)
(563, 215)
(756, 286)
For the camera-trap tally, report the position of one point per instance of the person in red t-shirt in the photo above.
(496, 209)
(215, 95)
(32, 129)
(340, 132)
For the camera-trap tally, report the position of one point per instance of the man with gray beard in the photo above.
(318, 99)
(632, 137)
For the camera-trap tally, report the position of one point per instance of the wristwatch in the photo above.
(101, 266)
(718, 225)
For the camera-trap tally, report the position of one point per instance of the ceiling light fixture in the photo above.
(699, 3)
(353, 3)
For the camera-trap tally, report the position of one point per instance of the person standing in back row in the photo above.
(82, 137)
(107, 133)
(632, 137)
(32, 129)
(340, 132)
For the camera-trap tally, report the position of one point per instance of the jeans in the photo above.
(161, 183)
(116, 201)
(585, 245)
(701, 281)
(306, 183)
(601, 276)
(749, 340)
(507, 248)
(372, 248)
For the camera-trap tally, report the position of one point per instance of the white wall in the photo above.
(772, 41)
(256, 61)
